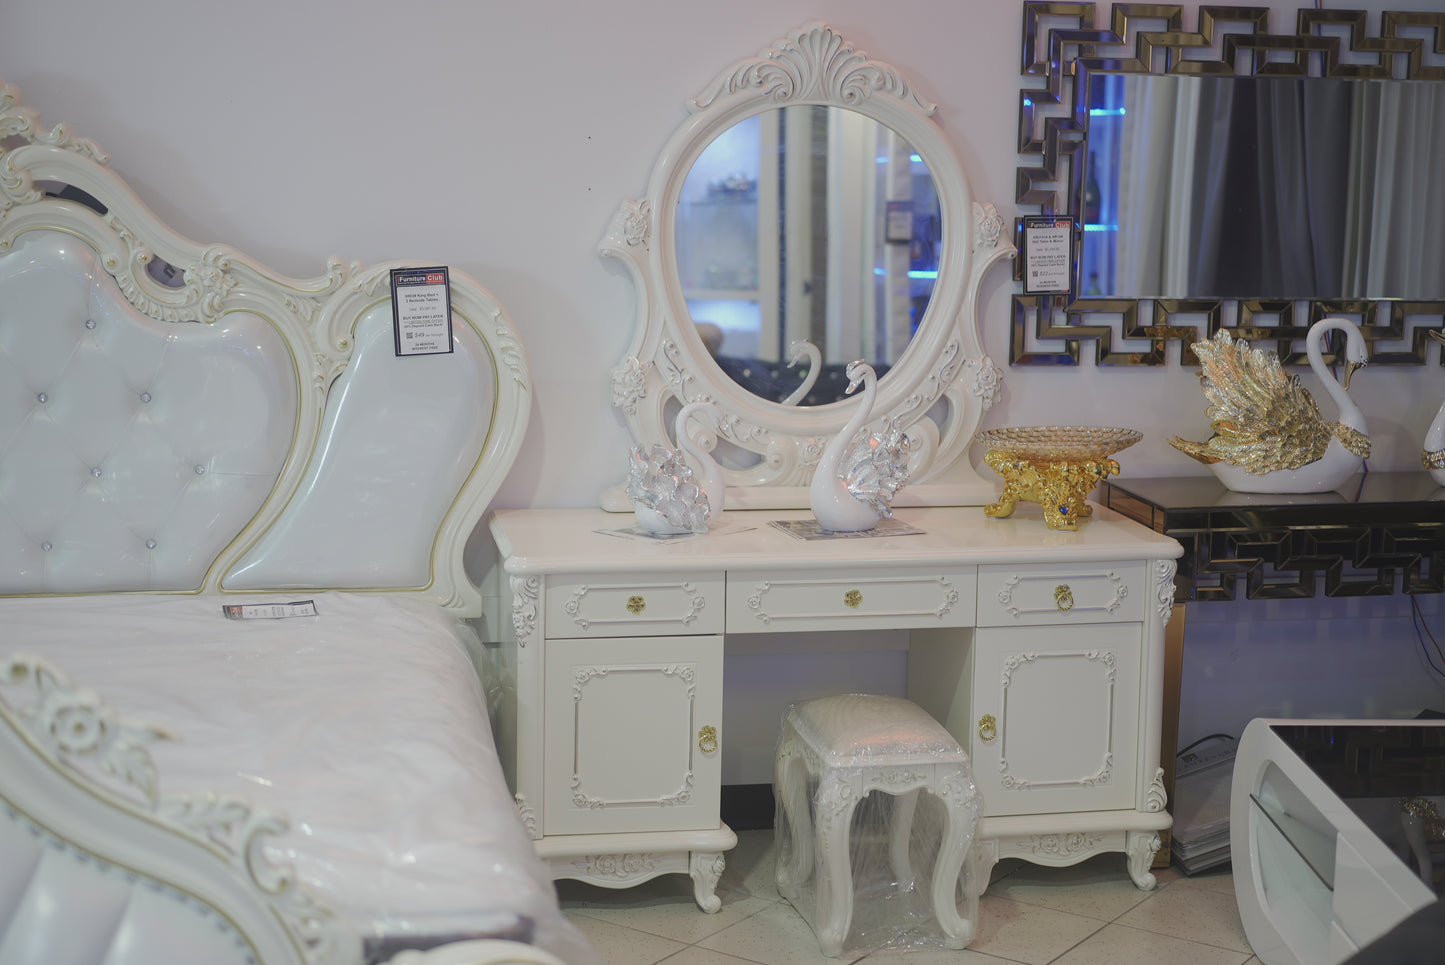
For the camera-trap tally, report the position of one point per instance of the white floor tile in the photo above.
(625, 946)
(697, 955)
(1121, 945)
(1194, 911)
(777, 935)
(1087, 914)
(1030, 934)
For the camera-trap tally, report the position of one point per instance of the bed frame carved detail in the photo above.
(77, 734)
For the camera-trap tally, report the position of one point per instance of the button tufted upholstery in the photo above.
(131, 450)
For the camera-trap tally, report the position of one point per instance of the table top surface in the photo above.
(1183, 493)
(1372, 759)
(573, 540)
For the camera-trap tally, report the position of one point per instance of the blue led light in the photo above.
(920, 275)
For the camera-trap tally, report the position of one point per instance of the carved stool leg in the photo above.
(981, 859)
(958, 929)
(795, 850)
(836, 803)
(900, 835)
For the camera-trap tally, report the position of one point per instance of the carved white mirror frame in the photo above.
(941, 385)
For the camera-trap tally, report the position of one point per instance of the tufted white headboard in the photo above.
(177, 418)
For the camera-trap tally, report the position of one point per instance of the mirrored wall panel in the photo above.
(1222, 172)
(1263, 187)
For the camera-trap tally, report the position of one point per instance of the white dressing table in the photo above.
(1040, 650)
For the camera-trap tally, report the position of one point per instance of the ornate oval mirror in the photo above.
(807, 224)
(809, 197)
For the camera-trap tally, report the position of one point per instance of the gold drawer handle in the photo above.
(636, 604)
(707, 739)
(853, 599)
(987, 728)
(1063, 597)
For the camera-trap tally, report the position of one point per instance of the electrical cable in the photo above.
(1422, 630)
(1207, 737)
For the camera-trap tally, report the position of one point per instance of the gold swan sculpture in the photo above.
(1269, 435)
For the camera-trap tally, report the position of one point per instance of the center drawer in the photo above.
(604, 605)
(787, 601)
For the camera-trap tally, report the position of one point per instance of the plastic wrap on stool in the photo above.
(876, 811)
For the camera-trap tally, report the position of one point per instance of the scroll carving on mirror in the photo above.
(807, 213)
(1150, 133)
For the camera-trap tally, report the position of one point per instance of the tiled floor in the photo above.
(1089, 914)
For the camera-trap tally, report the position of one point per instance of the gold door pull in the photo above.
(1063, 597)
(853, 599)
(636, 604)
(707, 739)
(987, 728)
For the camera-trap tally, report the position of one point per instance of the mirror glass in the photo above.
(1262, 188)
(807, 223)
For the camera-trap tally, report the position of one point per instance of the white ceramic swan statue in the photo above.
(859, 473)
(668, 497)
(1432, 455)
(804, 351)
(1269, 436)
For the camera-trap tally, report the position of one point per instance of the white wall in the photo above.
(499, 137)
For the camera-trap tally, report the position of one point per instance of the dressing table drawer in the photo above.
(604, 605)
(902, 598)
(1060, 594)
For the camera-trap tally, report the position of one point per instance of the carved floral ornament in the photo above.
(78, 732)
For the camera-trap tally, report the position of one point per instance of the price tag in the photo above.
(1048, 255)
(421, 311)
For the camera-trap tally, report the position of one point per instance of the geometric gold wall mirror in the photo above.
(808, 196)
(1228, 176)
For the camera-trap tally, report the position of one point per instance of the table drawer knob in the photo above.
(853, 599)
(707, 739)
(636, 604)
(1063, 597)
(987, 728)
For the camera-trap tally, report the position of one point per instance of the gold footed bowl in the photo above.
(1054, 466)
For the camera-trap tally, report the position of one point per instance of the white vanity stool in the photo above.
(847, 746)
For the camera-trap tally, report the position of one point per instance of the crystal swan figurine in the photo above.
(1269, 436)
(859, 472)
(668, 498)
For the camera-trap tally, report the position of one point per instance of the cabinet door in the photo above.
(1064, 709)
(631, 738)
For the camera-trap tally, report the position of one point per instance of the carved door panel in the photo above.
(1056, 718)
(631, 739)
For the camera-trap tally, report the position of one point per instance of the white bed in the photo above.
(183, 431)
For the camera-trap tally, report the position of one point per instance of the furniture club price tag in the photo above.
(421, 311)
(1048, 255)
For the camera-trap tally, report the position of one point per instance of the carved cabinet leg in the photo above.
(1141, 847)
(706, 868)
